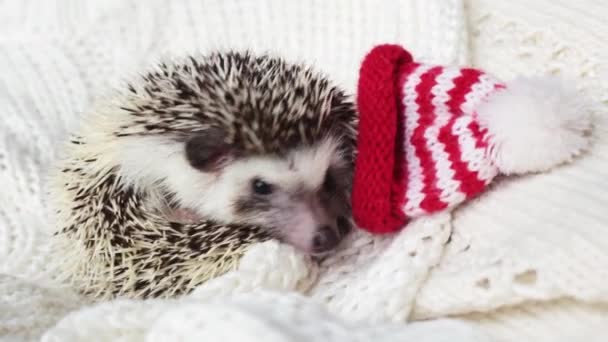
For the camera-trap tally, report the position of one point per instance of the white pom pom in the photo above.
(535, 124)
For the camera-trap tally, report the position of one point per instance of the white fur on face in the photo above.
(293, 211)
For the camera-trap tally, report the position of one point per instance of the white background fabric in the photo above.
(539, 239)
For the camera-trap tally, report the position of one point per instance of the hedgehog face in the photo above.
(300, 197)
(240, 139)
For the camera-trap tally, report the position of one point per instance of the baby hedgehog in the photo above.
(169, 181)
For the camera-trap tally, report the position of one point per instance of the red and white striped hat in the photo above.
(433, 136)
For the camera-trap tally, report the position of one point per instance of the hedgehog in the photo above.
(169, 180)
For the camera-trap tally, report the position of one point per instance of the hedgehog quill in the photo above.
(166, 185)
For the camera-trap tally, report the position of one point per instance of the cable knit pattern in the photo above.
(536, 239)
(348, 281)
(26, 309)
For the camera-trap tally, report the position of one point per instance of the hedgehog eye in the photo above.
(261, 187)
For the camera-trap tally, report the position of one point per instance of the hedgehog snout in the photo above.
(312, 226)
(331, 227)
(325, 240)
(327, 237)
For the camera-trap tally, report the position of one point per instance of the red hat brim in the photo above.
(378, 184)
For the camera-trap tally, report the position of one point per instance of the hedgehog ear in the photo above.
(208, 151)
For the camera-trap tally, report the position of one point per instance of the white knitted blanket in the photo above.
(526, 261)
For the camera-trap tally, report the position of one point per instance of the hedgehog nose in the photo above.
(344, 226)
(325, 240)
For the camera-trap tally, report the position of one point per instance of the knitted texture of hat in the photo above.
(377, 152)
(420, 148)
(445, 146)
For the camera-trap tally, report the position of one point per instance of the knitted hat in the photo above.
(433, 136)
